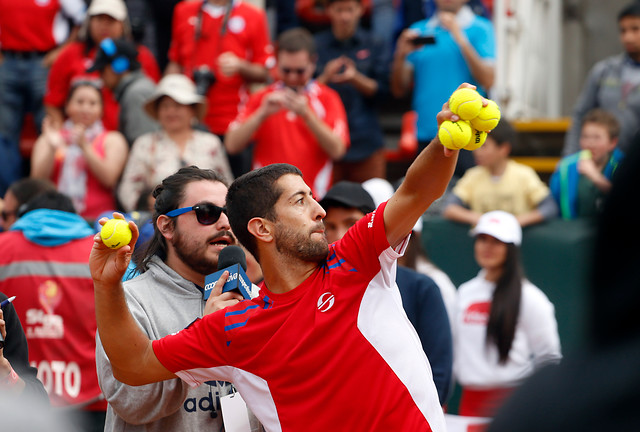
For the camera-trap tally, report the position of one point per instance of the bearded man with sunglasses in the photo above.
(295, 120)
(190, 229)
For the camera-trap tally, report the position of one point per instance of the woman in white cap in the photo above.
(176, 106)
(105, 19)
(504, 326)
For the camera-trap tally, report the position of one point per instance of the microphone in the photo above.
(233, 260)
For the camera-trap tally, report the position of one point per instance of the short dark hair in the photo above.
(630, 10)
(254, 195)
(603, 118)
(297, 39)
(168, 195)
(503, 133)
(27, 188)
(52, 200)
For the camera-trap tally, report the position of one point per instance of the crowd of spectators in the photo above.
(119, 103)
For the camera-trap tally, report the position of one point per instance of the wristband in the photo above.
(11, 379)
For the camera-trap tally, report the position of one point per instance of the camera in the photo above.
(424, 40)
(204, 78)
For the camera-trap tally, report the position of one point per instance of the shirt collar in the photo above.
(464, 17)
(354, 40)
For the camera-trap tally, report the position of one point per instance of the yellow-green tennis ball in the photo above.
(465, 102)
(454, 135)
(477, 139)
(488, 117)
(116, 233)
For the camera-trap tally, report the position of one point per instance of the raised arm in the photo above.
(426, 180)
(128, 348)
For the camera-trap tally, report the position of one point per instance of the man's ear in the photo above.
(165, 226)
(262, 229)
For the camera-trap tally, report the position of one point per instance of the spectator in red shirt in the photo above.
(223, 45)
(31, 35)
(105, 19)
(296, 120)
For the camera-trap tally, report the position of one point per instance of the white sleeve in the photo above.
(540, 327)
(76, 10)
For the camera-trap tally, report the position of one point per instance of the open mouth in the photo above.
(222, 240)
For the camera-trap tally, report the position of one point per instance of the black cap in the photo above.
(121, 54)
(348, 194)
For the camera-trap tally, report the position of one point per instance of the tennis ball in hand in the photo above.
(116, 233)
(585, 154)
(466, 103)
(477, 139)
(454, 135)
(487, 118)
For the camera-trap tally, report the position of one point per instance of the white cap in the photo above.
(501, 225)
(179, 88)
(114, 8)
(381, 190)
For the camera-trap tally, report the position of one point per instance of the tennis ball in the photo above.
(477, 139)
(487, 118)
(454, 135)
(116, 233)
(465, 102)
(585, 154)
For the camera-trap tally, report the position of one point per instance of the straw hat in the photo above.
(179, 88)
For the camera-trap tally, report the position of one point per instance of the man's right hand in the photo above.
(272, 103)
(108, 265)
(218, 300)
(404, 44)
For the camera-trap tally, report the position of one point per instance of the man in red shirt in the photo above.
(296, 120)
(224, 46)
(326, 345)
(31, 33)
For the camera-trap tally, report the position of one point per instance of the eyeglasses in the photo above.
(207, 213)
(299, 71)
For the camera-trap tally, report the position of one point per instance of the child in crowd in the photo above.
(504, 326)
(582, 180)
(499, 183)
(82, 158)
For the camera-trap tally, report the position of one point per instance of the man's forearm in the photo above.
(330, 142)
(123, 341)
(239, 136)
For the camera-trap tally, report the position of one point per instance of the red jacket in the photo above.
(54, 300)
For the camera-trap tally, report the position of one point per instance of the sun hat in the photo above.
(501, 225)
(116, 9)
(179, 88)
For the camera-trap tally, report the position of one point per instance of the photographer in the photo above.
(224, 46)
(117, 62)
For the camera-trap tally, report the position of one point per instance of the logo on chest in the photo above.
(477, 313)
(326, 301)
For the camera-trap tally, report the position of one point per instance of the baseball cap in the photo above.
(348, 194)
(381, 190)
(501, 225)
(114, 8)
(121, 54)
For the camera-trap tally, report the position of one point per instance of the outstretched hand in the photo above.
(447, 114)
(108, 265)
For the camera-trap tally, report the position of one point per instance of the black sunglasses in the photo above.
(207, 213)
